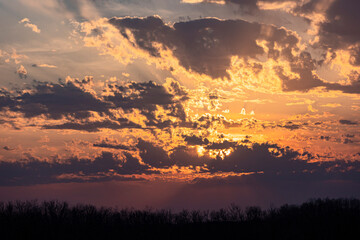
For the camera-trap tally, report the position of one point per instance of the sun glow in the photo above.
(200, 150)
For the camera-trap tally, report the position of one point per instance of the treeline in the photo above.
(315, 219)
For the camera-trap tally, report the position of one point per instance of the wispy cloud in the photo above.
(44, 65)
(27, 23)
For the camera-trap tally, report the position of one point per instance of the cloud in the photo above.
(22, 72)
(27, 23)
(105, 167)
(112, 145)
(305, 78)
(226, 144)
(56, 100)
(153, 155)
(290, 125)
(304, 66)
(6, 99)
(206, 46)
(210, 46)
(353, 87)
(7, 148)
(44, 65)
(260, 160)
(195, 140)
(332, 105)
(17, 58)
(347, 122)
(147, 97)
(95, 126)
(336, 30)
(75, 102)
(266, 158)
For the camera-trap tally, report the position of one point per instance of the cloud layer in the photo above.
(261, 160)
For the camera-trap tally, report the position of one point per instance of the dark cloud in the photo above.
(340, 30)
(266, 158)
(70, 100)
(94, 126)
(195, 140)
(260, 158)
(206, 121)
(55, 100)
(207, 45)
(118, 146)
(7, 148)
(153, 155)
(347, 122)
(105, 167)
(10, 123)
(6, 100)
(347, 141)
(355, 55)
(354, 87)
(309, 7)
(226, 144)
(147, 97)
(327, 138)
(290, 125)
(304, 66)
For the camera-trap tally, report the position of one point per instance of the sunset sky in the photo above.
(179, 104)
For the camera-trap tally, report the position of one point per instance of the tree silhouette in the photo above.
(314, 219)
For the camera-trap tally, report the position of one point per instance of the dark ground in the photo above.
(315, 219)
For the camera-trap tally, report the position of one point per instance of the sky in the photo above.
(179, 103)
